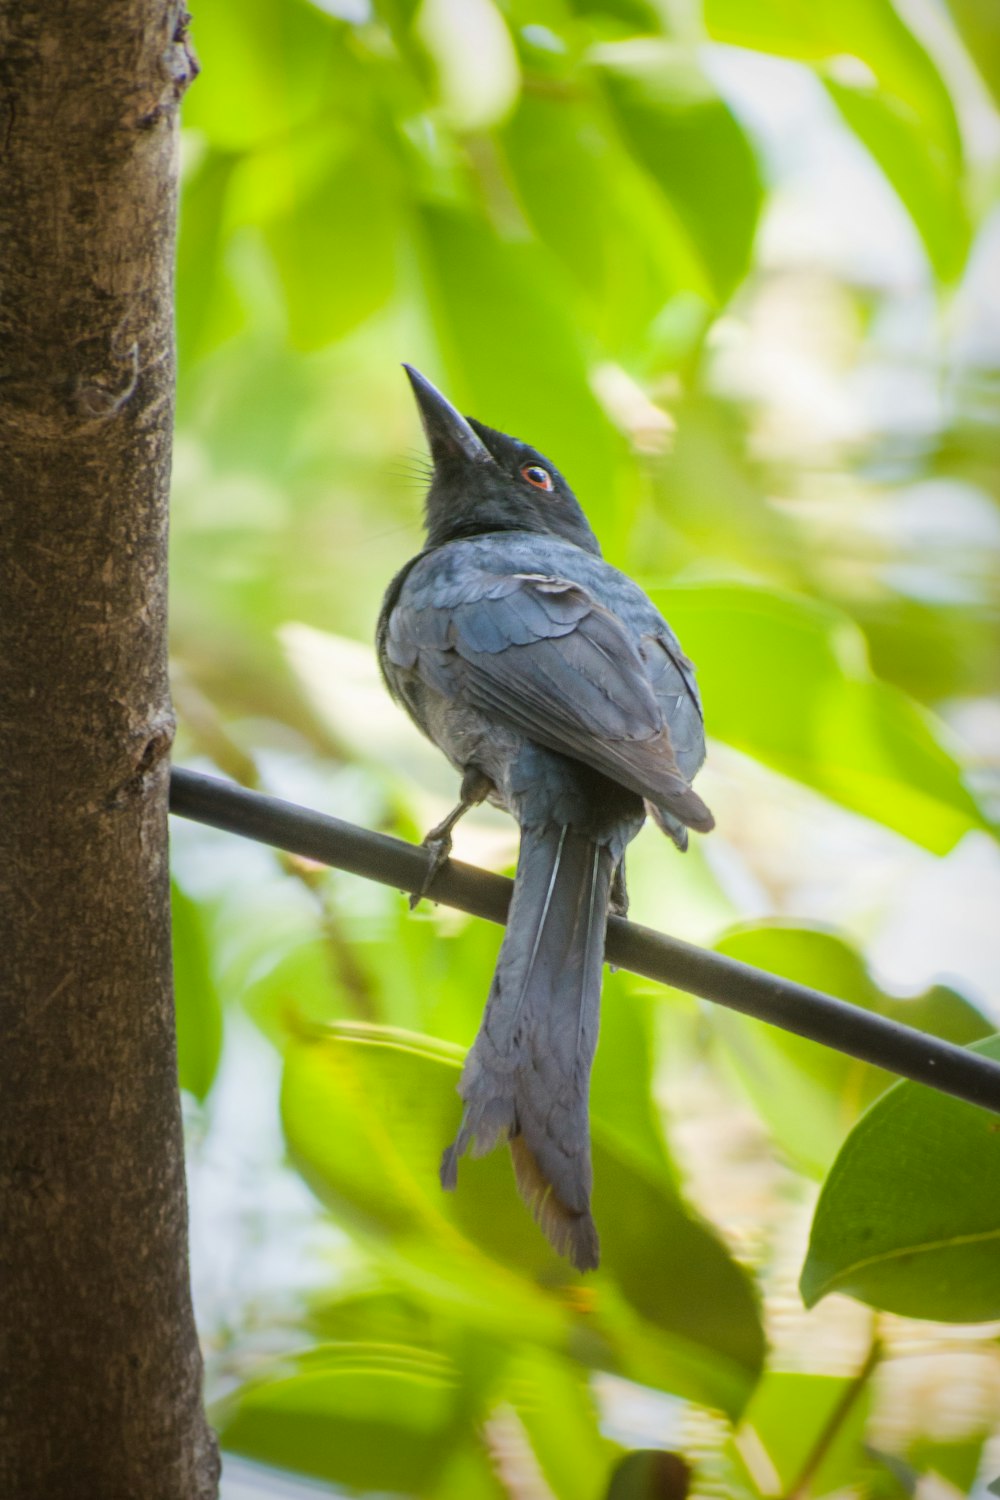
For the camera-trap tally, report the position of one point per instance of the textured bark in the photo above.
(100, 1384)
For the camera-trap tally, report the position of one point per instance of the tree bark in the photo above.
(100, 1385)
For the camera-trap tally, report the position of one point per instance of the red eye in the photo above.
(536, 475)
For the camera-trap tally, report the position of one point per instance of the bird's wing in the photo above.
(542, 655)
(671, 677)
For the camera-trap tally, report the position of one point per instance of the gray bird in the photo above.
(558, 691)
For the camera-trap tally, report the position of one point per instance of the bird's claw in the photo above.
(439, 849)
(618, 901)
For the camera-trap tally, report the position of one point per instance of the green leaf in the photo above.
(787, 681)
(909, 1217)
(196, 999)
(899, 106)
(820, 31)
(635, 15)
(624, 244)
(925, 180)
(335, 239)
(549, 1393)
(420, 969)
(679, 1278)
(810, 1095)
(510, 346)
(469, 1474)
(297, 988)
(793, 1418)
(363, 1084)
(367, 1112)
(266, 67)
(368, 1415)
(626, 1119)
(688, 140)
(208, 308)
(552, 1398)
(978, 22)
(956, 1461)
(651, 1242)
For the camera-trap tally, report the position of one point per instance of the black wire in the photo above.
(794, 1007)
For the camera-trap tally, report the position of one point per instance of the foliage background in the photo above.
(733, 267)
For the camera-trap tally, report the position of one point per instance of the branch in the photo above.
(834, 1426)
(794, 1007)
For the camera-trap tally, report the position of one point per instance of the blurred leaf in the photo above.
(370, 1416)
(794, 1419)
(907, 122)
(674, 1272)
(810, 1095)
(208, 308)
(688, 140)
(636, 15)
(627, 1119)
(622, 242)
(367, 1112)
(650, 1474)
(549, 1394)
(335, 243)
(979, 24)
(956, 1461)
(823, 30)
(372, 1309)
(474, 60)
(908, 1219)
(651, 1242)
(511, 350)
(293, 989)
(787, 681)
(196, 999)
(925, 180)
(266, 68)
(469, 1473)
(560, 1416)
(711, 501)
(932, 652)
(433, 978)
(368, 1083)
(327, 199)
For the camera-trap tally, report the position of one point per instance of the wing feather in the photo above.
(544, 657)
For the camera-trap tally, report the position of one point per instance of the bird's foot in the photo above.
(475, 789)
(618, 901)
(438, 846)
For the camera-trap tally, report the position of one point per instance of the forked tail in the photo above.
(527, 1077)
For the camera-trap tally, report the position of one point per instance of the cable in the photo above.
(794, 1007)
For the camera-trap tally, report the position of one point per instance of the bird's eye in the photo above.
(536, 475)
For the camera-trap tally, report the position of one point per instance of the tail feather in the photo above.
(571, 1234)
(527, 1078)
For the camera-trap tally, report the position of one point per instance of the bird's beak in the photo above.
(448, 433)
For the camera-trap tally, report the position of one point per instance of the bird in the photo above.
(558, 692)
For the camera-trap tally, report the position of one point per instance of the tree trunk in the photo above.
(100, 1385)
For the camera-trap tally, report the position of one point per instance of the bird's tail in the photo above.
(526, 1079)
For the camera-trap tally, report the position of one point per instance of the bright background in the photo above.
(734, 268)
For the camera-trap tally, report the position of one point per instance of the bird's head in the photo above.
(485, 481)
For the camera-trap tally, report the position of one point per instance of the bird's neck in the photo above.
(469, 527)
